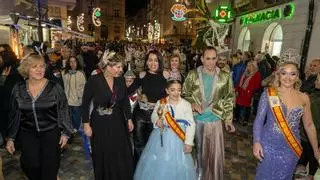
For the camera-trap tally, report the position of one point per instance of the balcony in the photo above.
(70, 4)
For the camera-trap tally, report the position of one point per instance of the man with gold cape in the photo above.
(210, 91)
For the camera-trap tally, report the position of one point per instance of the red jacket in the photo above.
(244, 96)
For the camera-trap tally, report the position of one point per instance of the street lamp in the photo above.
(41, 12)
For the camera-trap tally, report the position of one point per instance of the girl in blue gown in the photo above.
(169, 157)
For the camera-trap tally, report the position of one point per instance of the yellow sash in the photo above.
(172, 122)
(275, 105)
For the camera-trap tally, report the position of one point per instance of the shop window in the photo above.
(116, 13)
(272, 39)
(244, 40)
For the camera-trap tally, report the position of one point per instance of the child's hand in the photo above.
(159, 123)
(187, 148)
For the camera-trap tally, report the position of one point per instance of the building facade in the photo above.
(277, 28)
(112, 18)
(159, 11)
(136, 26)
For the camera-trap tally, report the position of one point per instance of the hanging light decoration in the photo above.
(96, 17)
(156, 31)
(69, 22)
(178, 11)
(80, 22)
(150, 32)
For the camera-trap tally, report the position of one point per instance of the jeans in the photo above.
(76, 116)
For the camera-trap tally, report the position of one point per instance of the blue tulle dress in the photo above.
(167, 162)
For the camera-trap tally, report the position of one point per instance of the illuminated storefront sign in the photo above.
(96, 17)
(285, 12)
(222, 14)
(178, 11)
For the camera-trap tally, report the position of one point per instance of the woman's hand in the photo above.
(10, 146)
(187, 148)
(6, 71)
(63, 141)
(258, 151)
(130, 125)
(87, 129)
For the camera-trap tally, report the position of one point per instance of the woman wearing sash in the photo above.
(167, 155)
(276, 134)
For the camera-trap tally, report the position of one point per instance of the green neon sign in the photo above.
(98, 14)
(222, 14)
(286, 12)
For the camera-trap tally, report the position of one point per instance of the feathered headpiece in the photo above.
(107, 55)
(289, 56)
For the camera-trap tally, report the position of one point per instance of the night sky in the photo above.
(133, 6)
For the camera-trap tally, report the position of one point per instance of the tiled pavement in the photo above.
(240, 164)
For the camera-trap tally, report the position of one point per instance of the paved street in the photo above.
(240, 164)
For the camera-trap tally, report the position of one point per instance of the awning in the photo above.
(7, 21)
(74, 33)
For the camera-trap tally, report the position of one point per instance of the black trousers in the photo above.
(242, 113)
(40, 154)
(308, 157)
(142, 130)
(255, 101)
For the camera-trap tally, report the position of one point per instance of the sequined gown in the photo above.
(279, 160)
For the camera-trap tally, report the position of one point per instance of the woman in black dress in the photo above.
(152, 82)
(110, 122)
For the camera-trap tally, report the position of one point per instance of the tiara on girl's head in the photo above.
(174, 79)
(289, 56)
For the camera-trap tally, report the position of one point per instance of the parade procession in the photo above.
(159, 90)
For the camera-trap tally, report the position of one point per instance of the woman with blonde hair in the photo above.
(39, 112)
(276, 130)
(110, 122)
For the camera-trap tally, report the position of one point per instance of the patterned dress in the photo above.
(279, 159)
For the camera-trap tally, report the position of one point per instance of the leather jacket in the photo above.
(40, 114)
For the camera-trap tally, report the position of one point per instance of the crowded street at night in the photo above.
(159, 90)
